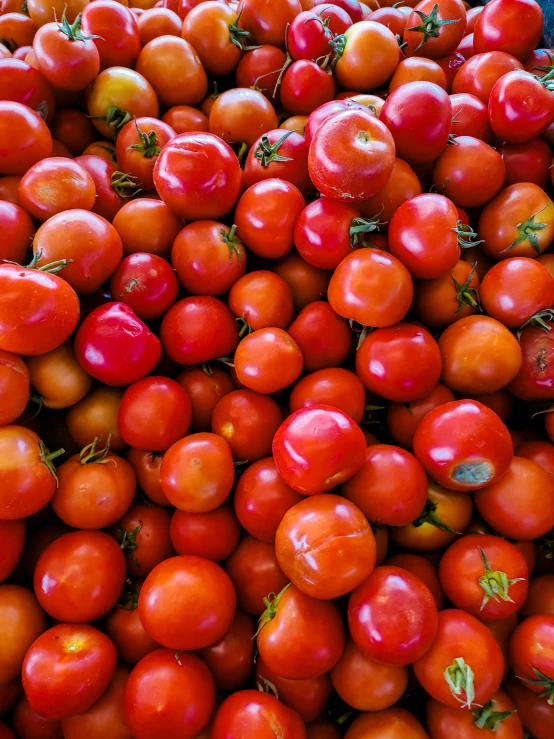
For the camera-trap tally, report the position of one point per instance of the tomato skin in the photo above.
(331, 386)
(205, 389)
(541, 452)
(325, 545)
(535, 380)
(184, 118)
(213, 535)
(417, 69)
(262, 299)
(251, 714)
(302, 444)
(67, 669)
(206, 27)
(424, 107)
(136, 352)
(65, 63)
(392, 616)
(402, 185)
(22, 83)
(119, 42)
(122, 624)
(150, 544)
(268, 360)
(520, 108)
(267, 24)
(503, 508)
(230, 659)
(22, 621)
(445, 721)
(527, 162)
(191, 190)
(531, 651)
(29, 724)
(13, 535)
(305, 86)
(30, 139)
(324, 337)
(261, 66)
(325, 111)
(470, 117)
(391, 487)
(480, 73)
(198, 472)
(369, 57)
(14, 387)
(18, 229)
(80, 576)
(462, 566)
(139, 163)
(351, 155)
(404, 418)
(96, 415)
(391, 723)
(441, 302)
(294, 146)
(371, 272)
(536, 713)
(146, 283)
(153, 705)
(514, 28)
(449, 36)
(146, 226)
(306, 37)
(198, 603)
(476, 447)
(241, 115)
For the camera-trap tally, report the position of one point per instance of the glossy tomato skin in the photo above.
(531, 652)
(251, 714)
(14, 387)
(383, 362)
(185, 176)
(479, 74)
(262, 299)
(260, 165)
(147, 226)
(325, 545)
(13, 536)
(80, 576)
(445, 300)
(449, 35)
(520, 108)
(143, 532)
(332, 386)
(402, 185)
(392, 616)
(461, 636)
(527, 162)
(22, 621)
(351, 156)
(462, 570)
(213, 535)
(515, 28)
(323, 336)
(18, 229)
(536, 714)
(146, 283)
(446, 721)
(535, 380)
(119, 42)
(123, 626)
(463, 445)
(138, 162)
(30, 139)
(390, 723)
(425, 108)
(369, 57)
(116, 347)
(187, 330)
(302, 445)
(230, 658)
(153, 697)
(268, 360)
(199, 602)
(207, 29)
(65, 64)
(67, 669)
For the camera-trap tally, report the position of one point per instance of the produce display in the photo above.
(276, 370)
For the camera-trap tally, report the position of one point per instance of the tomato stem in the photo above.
(430, 25)
(73, 30)
(460, 679)
(245, 327)
(128, 541)
(123, 184)
(538, 320)
(542, 681)
(90, 454)
(429, 516)
(527, 232)
(266, 152)
(46, 457)
(271, 603)
(129, 599)
(466, 295)
(230, 239)
(361, 226)
(487, 718)
(236, 35)
(466, 235)
(147, 143)
(495, 583)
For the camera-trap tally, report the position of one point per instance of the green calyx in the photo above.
(73, 30)
(230, 239)
(466, 295)
(52, 268)
(466, 235)
(238, 36)
(430, 25)
(124, 184)
(147, 143)
(271, 603)
(545, 682)
(129, 599)
(428, 515)
(47, 457)
(487, 718)
(116, 118)
(128, 541)
(363, 226)
(338, 45)
(541, 319)
(460, 679)
(244, 327)
(495, 583)
(266, 152)
(527, 231)
(90, 454)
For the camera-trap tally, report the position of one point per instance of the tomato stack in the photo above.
(276, 370)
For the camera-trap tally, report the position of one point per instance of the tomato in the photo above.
(116, 30)
(392, 616)
(333, 386)
(391, 487)
(262, 299)
(371, 287)
(138, 145)
(112, 186)
(391, 17)
(325, 111)
(302, 446)
(54, 185)
(402, 185)
(146, 283)
(391, 723)
(213, 535)
(306, 697)
(10, 692)
(58, 378)
(67, 669)
(514, 28)
(241, 115)
(502, 506)
(520, 108)
(255, 572)
(351, 155)
(423, 107)
(367, 56)
(230, 658)
(14, 387)
(532, 655)
(470, 118)
(146, 226)
(261, 66)
(527, 162)
(251, 714)
(22, 83)
(435, 32)
(28, 723)
(534, 381)
(30, 139)
(13, 536)
(305, 86)
(18, 229)
(247, 421)
(17, 29)
(308, 37)
(480, 73)
(267, 360)
(187, 602)
(417, 69)
(22, 620)
(447, 299)
(155, 22)
(143, 532)
(541, 452)
(153, 698)
(463, 445)
(308, 284)
(282, 635)
(325, 546)
(536, 714)
(205, 388)
(404, 418)
(498, 715)
(266, 23)
(185, 176)
(96, 416)
(212, 31)
(183, 118)
(80, 576)
(123, 626)
(281, 156)
(136, 353)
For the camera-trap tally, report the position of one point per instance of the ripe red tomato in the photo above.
(213, 535)
(391, 723)
(536, 714)
(18, 229)
(435, 32)
(331, 386)
(22, 621)
(53, 185)
(153, 698)
(28, 723)
(146, 283)
(485, 576)
(67, 669)
(143, 532)
(479, 73)
(261, 66)
(391, 487)
(30, 139)
(515, 28)
(268, 360)
(367, 56)
(251, 714)
(325, 545)
(303, 445)
(147, 226)
(96, 416)
(135, 353)
(123, 626)
(117, 36)
(211, 31)
(187, 603)
(205, 387)
(404, 418)
(262, 299)
(138, 146)
(14, 387)
(351, 155)
(532, 654)
(279, 155)
(230, 658)
(447, 299)
(498, 715)
(520, 108)
(527, 162)
(80, 576)
(464, 665)
(324, 337)
(392, 616)
(463, 445)
(402, 185)
(198, 176)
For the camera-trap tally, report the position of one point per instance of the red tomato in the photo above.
(391, 487)
(143, 532)
(367, 56)
(213, 535)
(391, 723)
(515, 28)
(135, 353)
(266, 23)
(447, 299)
(527, 162)
(13, 536)
(22, 621)
(402, 185)
(184, 118)
(541, 452)
(30, 139)
(435, 32)
(351, 155)
(333, 386)
(324, 337)
(18, 230)
(28, 723)
(325, 545)
(463, 445)
(67, 669)
(230, 658)
(498, 715)
(262, 299)
(156, 22)
(153, 698)
(125, 629)
(116, 33)
(532, 654)
(268, 360)
(138, 146)
(423, 569)
(198, 176)
(404, 418)
(14, 387)
(53, 185)
(205, 387)
(536, 714)
(520, 108)
(80, 576)
(417, 69)
(211, 31)
(279, 155)
(146, 283)
(187, 602)
(308, 37)
(261, 66)
(317, 448)
(470, 117)
(147, 226)
(479, 74)
(307, 283)
(251, 714)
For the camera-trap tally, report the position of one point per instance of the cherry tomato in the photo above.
(333, 386)
(307, 283)
(498, 715)
(391, 723)
(367, 56)
(279, 155)
(213, 535)
(125, 629)
(96, 416)
(116, 31)
(515, 28)
(268, 360)
(435, 32)
(251, 714)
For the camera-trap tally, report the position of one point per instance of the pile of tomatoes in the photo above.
(276, 370)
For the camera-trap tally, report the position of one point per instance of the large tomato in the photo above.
(205, 386)
(331, 386)
(29, 137)
(252, 714)
(324, 338)
(367, 56)
(115, 32)
(22, 620)
(514, 27)
(404, 418)
(499, 716)
(435, 32)
(520, 108)
(22, 83)
(212, 31)
(266, 22)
